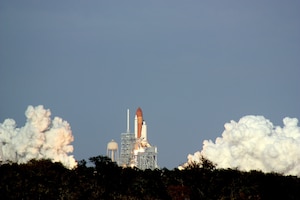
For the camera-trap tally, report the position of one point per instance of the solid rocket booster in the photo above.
(135, 126)
(144, 131)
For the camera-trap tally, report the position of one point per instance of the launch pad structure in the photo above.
(127, 146)
(135, 149)
(147, 159)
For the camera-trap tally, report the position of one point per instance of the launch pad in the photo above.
(136, 151)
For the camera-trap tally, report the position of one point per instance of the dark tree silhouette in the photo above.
(104, 179)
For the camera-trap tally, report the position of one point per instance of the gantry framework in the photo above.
(147, 159)
(127, 146)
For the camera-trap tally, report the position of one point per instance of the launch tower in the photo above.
(135, 148)
(127, 146)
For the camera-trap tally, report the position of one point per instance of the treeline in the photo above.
(103, 179)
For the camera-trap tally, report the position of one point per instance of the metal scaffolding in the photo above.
(127, 146)
(147, 159)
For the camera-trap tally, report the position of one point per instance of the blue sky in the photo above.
(191, 66)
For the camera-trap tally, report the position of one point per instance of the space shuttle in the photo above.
(140, 128)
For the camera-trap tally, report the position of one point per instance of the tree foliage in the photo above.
(100, 178)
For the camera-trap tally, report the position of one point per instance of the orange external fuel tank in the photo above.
(139, 114)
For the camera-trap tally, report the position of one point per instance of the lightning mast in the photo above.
(128, 130)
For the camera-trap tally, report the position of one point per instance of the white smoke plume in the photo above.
(40, 138)
(253, 143)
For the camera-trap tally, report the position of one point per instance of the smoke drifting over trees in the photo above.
(254, 143)
(39, 138)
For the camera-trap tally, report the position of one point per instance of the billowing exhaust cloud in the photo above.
(253, 143)
(40, 138)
